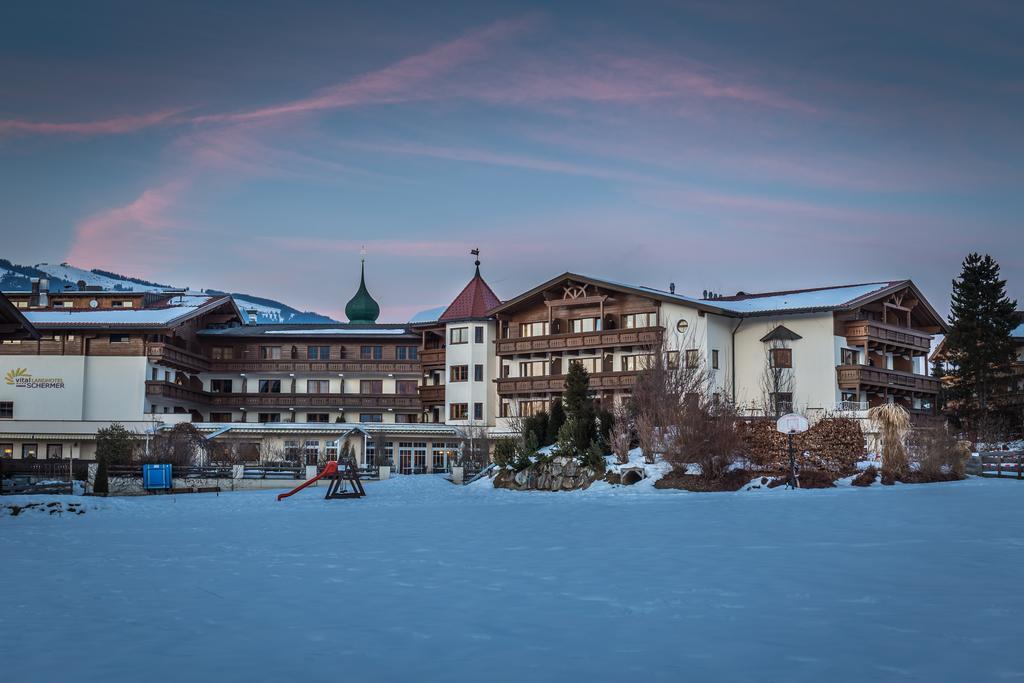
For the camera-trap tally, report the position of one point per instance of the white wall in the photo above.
(472, 354)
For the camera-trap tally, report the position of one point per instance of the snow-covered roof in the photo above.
(1018, 331)
(314, 330)
(428, 316)
(332, 427)
(174, 309)
(799, 300)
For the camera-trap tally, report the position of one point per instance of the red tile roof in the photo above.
(472, 302)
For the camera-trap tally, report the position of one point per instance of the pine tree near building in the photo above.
(978, 346)
(556, 418)
(579, 432)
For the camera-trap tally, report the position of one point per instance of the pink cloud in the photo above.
(140, 231)
(114, 126)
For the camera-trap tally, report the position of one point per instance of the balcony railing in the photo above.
(856, 376)
(176, 392)
(166, 354)
(858, 331)
(432, 357)
(432, 394)
(313, 366)
(315, 400)
(556, 383)
(580, 340)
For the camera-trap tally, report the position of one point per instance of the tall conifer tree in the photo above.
(979, 345)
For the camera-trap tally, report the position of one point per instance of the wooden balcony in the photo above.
(581, 340)
(172, 356)
(432, 358)
(314, 366)
(854, 377)
(556, 383)
(860, 331)
(315, 400)
(432, 394)
(175, 392)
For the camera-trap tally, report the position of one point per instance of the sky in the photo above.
(726, 146)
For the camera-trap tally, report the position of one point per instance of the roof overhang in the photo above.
(13, 323)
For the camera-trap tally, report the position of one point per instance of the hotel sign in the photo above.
(20, 378)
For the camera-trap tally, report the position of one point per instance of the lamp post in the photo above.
(791, 424)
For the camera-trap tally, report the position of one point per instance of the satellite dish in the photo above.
(93, 303)
(792, 424)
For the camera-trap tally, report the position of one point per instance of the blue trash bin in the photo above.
(156, 477)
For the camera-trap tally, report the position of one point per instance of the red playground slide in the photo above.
(330, 469)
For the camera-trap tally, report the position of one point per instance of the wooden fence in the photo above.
(997, 464)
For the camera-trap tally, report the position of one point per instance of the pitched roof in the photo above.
(474, 301)
(175, 310)
(781, 333)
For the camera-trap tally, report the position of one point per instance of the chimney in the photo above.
(671, 288)
(253, 315)
(44, 292)
(705, 294)
(33, 298)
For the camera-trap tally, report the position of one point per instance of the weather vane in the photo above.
(476, 253)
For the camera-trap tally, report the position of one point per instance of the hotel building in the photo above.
(409, 393)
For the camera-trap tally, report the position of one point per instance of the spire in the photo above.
(474, 300)
(362, 308)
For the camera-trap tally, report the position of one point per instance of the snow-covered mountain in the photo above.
(14, 277)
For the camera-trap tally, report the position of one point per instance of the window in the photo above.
(407, 353)
(6, 410)
(54, 451)
(312, 452)
(220, 417)
(371, 352)
(637, 362)
(221, 386)
(590, 364)
(781, 358)
(407, 418)
(478, 411)
(714, 359)
(782, 402)
(371, 417)
(21, 304)
(458, 373)
(29, 451)
(318, 353)
(270, 352)
(458, 335)
(585, 325)
(291, 450)
(478, 373)
(371, 386)
(505, 409)
(532, 407)
(6, 450)
(119, 339)
(317, 417)
(478, 334)
(458, 411)
(533, 368)
(633, 320)
(222, 352)
(318, 386)
(121, 304)
(63, 304)
(406, 387)
(672, 359)
(681, 326)
(270, 386)
(692, 358)
(850, 356)
(269, 417)
(538, 329)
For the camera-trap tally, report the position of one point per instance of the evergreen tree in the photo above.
(116, 445)
(981, 319)
(102, 483)
(580, 426)
(556, 418)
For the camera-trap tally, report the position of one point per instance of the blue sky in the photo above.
(725, 146)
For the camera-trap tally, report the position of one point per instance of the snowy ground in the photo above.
(426, 581)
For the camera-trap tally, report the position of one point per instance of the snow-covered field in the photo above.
(425, 581)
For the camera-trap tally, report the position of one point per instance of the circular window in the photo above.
(681, 326)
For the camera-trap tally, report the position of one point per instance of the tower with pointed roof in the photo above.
(362, 309)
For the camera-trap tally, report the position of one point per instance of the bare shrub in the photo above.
(706, 434)
(180, 446)
(621, 434)
(939, 456)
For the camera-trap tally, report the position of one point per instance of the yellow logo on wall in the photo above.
(20, 378)
(13, 375)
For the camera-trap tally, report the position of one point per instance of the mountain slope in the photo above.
(14, 277)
